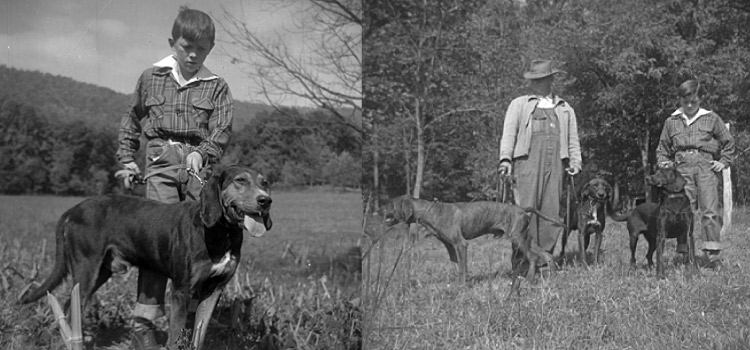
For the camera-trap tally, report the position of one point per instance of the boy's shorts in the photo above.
(173, 185)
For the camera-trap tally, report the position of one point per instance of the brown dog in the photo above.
(589, 217)
(196, 244)
(456, 223)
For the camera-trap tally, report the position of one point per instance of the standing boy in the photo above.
(185, 113)
(698, 144)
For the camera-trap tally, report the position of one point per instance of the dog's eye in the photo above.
(264, 183)
(241, 181)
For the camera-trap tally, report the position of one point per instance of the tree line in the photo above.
(439, 76)
(292, 148)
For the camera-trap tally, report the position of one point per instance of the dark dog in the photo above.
(670, 218)
(196, 244)
(456, 223)
(589, 217)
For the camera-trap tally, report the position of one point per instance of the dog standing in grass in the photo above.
(456, 223)
(670, 218)
(588, 216)
(196, 244)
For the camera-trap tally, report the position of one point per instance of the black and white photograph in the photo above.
(181, 174)
(556, 174)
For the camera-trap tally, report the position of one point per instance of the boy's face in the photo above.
(690, 104)
(190, 54)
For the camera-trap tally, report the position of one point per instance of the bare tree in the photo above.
(327, 71)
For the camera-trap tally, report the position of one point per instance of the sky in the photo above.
(110, 42)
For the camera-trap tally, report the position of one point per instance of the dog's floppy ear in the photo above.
(211, 207)
(585, 191)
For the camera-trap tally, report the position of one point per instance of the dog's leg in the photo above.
(564, 243)
(451, 250)
(651, 250)
(180, 301)
(633, 246)
(582, 245)
(660, 238)
(598, 245)
(461, 249)
(89, 274)
(693, 264)
(203, 317)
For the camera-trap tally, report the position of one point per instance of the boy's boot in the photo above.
(144, 335)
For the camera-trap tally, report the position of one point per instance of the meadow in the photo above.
(297, 287)
(413, 302)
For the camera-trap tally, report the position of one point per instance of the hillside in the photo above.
(68, 100)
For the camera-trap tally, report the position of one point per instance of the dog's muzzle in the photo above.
(254, 219)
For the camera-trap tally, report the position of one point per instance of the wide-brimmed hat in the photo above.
(540, 69)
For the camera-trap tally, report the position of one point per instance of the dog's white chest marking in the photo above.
(224, 266)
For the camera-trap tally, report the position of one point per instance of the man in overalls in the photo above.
(540, 141)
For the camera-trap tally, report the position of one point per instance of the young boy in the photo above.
(185, 113)
(697, 143)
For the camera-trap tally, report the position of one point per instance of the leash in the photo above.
(131, 177)
(572, 194)
(502, 179)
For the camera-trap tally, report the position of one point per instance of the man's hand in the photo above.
(573, 171)
(133, 167)
(717, 166)
(194, 162)
(505, 168)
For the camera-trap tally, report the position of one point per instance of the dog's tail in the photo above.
(624, 212)
(59, 271)
(554, 222)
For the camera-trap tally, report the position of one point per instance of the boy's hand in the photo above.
(133, 167)
(195, 161)
(717, 166)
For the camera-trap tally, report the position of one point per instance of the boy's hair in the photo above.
(193, 25)
(689, 87)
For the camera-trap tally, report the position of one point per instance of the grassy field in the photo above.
(412, 301)
(298, 287)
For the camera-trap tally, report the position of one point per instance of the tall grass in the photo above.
(413, 302)
(275, 300)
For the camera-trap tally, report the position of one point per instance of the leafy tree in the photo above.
(329, 75)
(439, 79)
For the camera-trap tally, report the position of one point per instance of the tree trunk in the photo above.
(407, 159)
(420, 150)
(375, 171)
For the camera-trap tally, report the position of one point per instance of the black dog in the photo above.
(196, 244)
(670, 218)
(589, 217)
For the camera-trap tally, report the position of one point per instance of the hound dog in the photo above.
(196, 244)
(589, 217)
(670, 218)
(456, 223)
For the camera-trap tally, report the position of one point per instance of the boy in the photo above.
(185, 113)
(697, 143)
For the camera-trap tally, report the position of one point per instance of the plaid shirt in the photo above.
(198, 113)
(706, 133)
